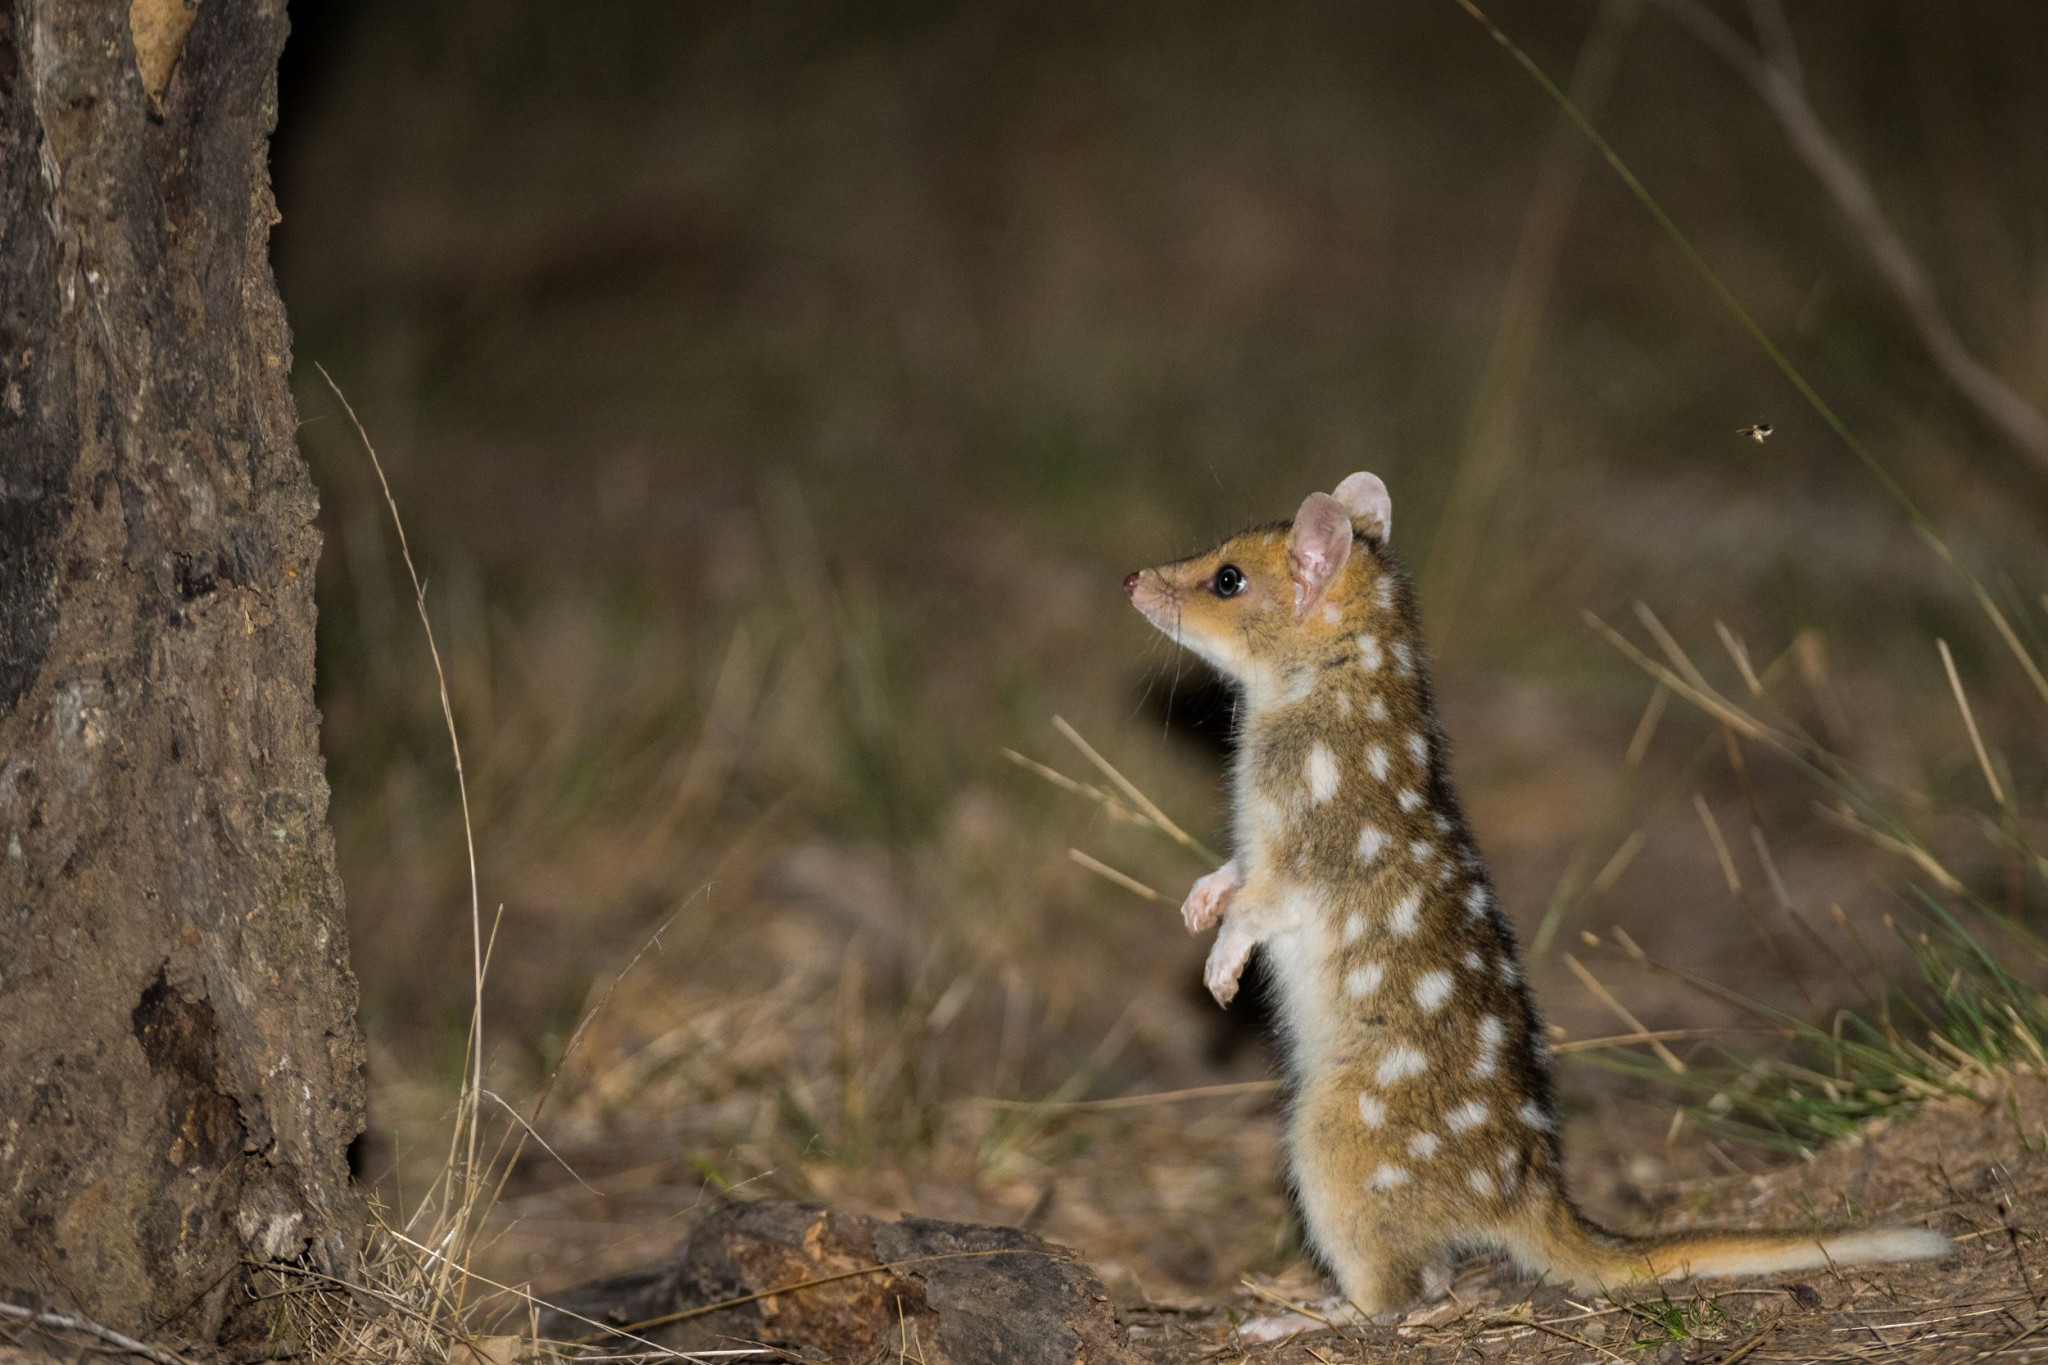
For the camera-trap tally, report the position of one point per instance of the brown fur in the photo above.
(1423, 1120)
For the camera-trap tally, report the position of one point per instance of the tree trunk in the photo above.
(180, 1067)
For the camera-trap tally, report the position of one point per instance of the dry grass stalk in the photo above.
(1159, 818)
(1623, 1013)
(1110, 874)
(1948, 664)
(422, 1281)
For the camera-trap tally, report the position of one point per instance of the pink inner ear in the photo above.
(1317, 547)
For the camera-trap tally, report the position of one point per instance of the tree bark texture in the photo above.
(180, 1066)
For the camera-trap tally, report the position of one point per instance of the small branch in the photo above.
(1776, 79)
(65, 1322)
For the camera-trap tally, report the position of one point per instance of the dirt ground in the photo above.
(1977, 1171)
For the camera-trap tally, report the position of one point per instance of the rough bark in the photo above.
(180, 1068)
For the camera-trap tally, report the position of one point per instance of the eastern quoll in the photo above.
(1422, 1122)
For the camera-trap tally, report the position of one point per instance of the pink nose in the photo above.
(1130, 584)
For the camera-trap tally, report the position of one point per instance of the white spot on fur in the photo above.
(1510, 1169)
(1421, 850)
(1369, 652)
(1470, 1114)
(1443, 825)
(1532, 1114)
(1510, 971)
(1388, 1177)
(1418, 749)
(1354, 927)
(1472, 960)
(1432, 989)
(1407, 914)
(1331, 614)
(1423, 1145)
(1445, 873)
(1408, 798)
(1376, 762)
(1344, 704)
(1377, 708)
(1383, 593)
(1476, 900)
(1321, 773)
(1360, 982)
(1404, 658)
(1400, 1063)
(1480, 1181)
(1371, 1112)
(1370, 841)
(1492, 1033)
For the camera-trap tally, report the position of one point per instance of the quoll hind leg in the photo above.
(1366, 1217)
(1381, 1281)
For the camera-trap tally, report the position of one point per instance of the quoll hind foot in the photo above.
(1210, 897)
(1329, 1315)
(1336, 1312)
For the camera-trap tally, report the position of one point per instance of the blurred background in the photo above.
(775, 395)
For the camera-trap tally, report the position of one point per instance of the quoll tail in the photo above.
(1565, 1246)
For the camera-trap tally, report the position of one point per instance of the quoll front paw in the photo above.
(1226, 964)
(1222, 981)
(1210, 897)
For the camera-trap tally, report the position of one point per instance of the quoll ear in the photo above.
(1317, 548)
(1365, 497)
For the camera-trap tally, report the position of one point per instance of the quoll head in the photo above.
(1274, 596)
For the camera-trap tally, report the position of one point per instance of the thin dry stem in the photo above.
(1623, 1013)
(1920, 857)
(1144, 803)
(1610, 872)
(1728, 872)
(1705, 698)
(1646, 727)
(1110, 874)
(466, 1132)
(1225, 1090)
(1955, 683)
(1111, 806)
(1739, 652)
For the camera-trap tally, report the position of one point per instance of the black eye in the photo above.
(1229, 581)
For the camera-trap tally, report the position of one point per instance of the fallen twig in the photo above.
(66, 1322)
